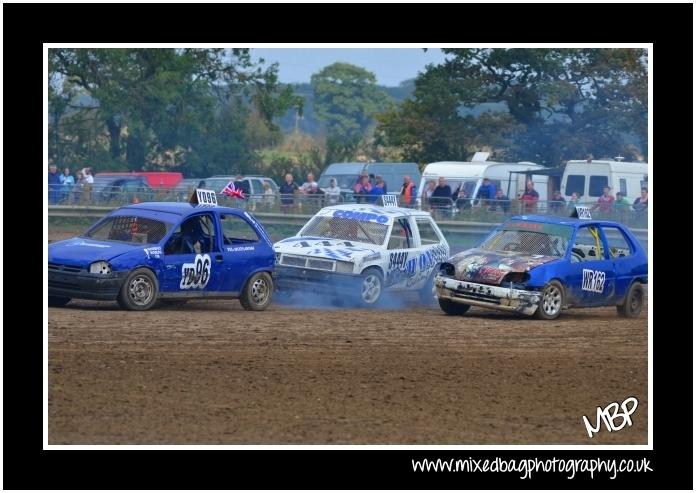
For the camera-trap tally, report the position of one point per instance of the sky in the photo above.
(390, 65)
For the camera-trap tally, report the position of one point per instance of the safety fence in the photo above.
(442, 208)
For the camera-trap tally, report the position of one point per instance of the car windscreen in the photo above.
(530, 238)
(348, 229)
(342, 181)
(129, 229)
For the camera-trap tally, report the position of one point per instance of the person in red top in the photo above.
(530, 197)
(605, 201)
(407, 191)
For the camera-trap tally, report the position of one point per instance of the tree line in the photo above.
(208, 111)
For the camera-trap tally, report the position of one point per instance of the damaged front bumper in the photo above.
(484, 295)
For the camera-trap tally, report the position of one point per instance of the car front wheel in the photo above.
(139, 291)
(551, 301)
(452, 307)
(371, 286)
(633, 303)
(257, 292)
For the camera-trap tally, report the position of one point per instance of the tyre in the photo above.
(632, 303)
(371, 285)
(257, 292)
(452, 307)
(58, 301)
(552, 301)
(139, 291)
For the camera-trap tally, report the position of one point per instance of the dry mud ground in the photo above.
(211, 373)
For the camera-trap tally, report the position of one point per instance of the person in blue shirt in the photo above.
(379, 188)
(486, 191)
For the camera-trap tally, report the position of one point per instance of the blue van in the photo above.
(347, 174)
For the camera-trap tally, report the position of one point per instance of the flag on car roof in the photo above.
(231, 191)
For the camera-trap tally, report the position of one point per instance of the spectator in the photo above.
(379, 188)
(557, 204)
(88, 176)
(67, 182)
(53, 184)
(461, 197)
(201, 184)
(363, 189)
(408, 194)
(621, 203)
(287, 191)
(441, 197)
(486, 192)
(79, 185)
(530, 197)
(316, 195)
(359, 182)
(502, 201)
(241, 184)
(574, 200)
(605, 201)
(88, 179)
(640, 205)
(427, 192)
(333, 192)
(307, 186)
(268, 195)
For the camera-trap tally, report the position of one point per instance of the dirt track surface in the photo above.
(212, 373)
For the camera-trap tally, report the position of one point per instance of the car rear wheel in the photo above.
(552, 300)
(139, 291)
(257, 292)
(452, 307)
(58, 301)
(371, 286)
(632, 303)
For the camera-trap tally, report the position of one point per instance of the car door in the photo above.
(624, 262)
(403, 255)
(239, 252)
(590, 278)
(188, 268)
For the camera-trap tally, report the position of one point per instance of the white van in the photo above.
(588, 178)
(510, 177)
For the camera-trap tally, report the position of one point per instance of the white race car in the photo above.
(357, 251)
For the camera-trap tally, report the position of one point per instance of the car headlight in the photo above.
(100, 267)
(344, 267)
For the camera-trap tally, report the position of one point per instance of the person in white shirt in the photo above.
(307, 186)
(333, 193)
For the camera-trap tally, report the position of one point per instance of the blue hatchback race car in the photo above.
(539, 265)
(165, 251)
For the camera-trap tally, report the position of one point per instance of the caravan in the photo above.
(509, 177)
(588, 178)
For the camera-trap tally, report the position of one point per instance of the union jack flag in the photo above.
(231, 191)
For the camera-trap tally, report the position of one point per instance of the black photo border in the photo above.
(28, 26)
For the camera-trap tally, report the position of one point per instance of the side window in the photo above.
(588, 245)
(195, 235)
(575, 183)
(427, 232)
(618, 244)
(622, 186)
(597, 183)
(401, 236)
(236, 230)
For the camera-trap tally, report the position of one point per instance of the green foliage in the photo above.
(546, 105)
(346, 99)
(183, 109)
